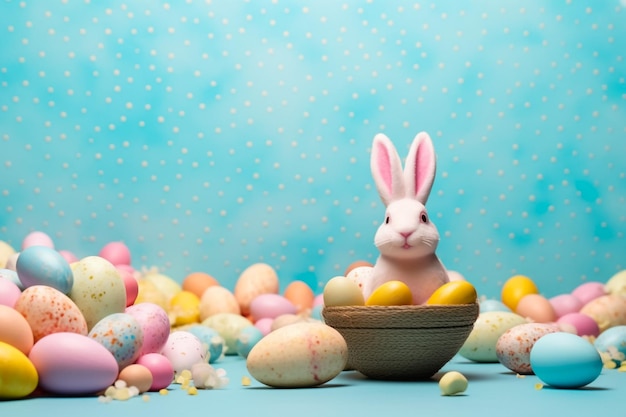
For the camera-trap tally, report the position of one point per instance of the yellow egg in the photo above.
(454, 292)
(391, 293)
(617, 284)
(165, 284)
(184, 308)
(341, 291)
(515, 288)
(18, 376)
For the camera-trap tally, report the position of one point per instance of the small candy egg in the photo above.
(615, 285)
(270, 305)
(136, 375)
(161, 369)
(9, 292)
(98, 289)
(6, 251)
(480, 345)
(229, 326)
(589, 291)
(73, 364)
(210, 337)
(299, 355)
(391, 293)
(564, 304)
(515, 288)
(300, 295)
(357, 264)
(613, 342)
(15, 330)
(198, 282)
(18, 375)
(361, 275)
(155, 326)
(536, 307)
(48, 311)
(564, 360)
(492, 305)
(184, 308)
(341, 291)
(37, 238)
(116, 252)
(217, 299)
(452, 383)
(183, 349)
(454, 292)
(582, 324)
(41, 265)
(247, 339)
(120, 334)
(513, 347)
(257, 279)
(607, 310)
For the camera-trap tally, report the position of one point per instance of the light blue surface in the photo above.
(212, 135)
(493, 391)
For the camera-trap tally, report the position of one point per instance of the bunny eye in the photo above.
(424, 217)
(387, 219)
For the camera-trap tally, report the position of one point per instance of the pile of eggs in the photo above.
(564, 340)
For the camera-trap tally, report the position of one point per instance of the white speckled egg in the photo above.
(183, 349)
(48, 310)
(120, 334)
(98, 290)
(480, 345)
(513, 347)
(361, 276)
(299, 355)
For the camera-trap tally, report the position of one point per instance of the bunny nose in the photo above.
(406, 234)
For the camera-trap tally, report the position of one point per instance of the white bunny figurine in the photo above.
(407, 239)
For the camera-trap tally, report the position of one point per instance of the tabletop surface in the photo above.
(493, 390)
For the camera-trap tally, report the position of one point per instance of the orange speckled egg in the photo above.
(300, 295)
(537, 308)
(515, 288)
(356, 264)
(15, 330)
(198, 282)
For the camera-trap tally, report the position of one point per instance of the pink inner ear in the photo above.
(384, 167)
(422, 168)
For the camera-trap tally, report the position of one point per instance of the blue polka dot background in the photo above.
(209, 136)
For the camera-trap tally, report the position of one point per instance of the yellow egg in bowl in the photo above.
(403, 342)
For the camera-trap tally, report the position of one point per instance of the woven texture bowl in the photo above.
(402, 342)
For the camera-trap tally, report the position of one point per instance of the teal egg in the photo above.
(613, 342)
(211, 338)
(565, 360)
(247, 339)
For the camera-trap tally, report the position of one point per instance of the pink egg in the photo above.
(37, 239)
(130, 282)
(318, 300)
(160, 368)
(565, 303)
(116, 252)
(589, 291)
(9, 292)
(68, 256)
(581, 323)
(536, 307)
(155, 325)
(271, 306)
(264, 325)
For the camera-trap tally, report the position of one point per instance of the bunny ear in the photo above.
(419, 170)
(387, 169)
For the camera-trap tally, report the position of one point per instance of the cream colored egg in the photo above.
(228, 325)
(480, 345)
(164, 284)
(217, 299)
(607, 310)
(6, 251)
(342, 291)
(298, 355)
(617, 284)
(257, 279)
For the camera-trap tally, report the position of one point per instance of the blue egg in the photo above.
(120, 334)
(613, 342)
(248, 337)
(492, 305)
(565, 360)
(41, 265)
(210, 337)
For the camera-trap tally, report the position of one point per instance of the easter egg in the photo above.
(6, 251)
(120, 334)
(229, 326)
(361, 276)
(247, 339)
(564, 304)
(391, 293)
(515, 288)
(40, 265)
(198, 282)
(607, 310)
(130, 283)
(536, 307)
(73, 364)
(37, 238)
(454, 292)
(257, 279)
(270, 305)
(300, 355)
(116, 252)
(357, 264)
(492, 305)
(300, 295)
(155, 325)
(164, 284)
(138, 376)
(513, 347)
(211, 338)
(184, 308)
(15, 330)
(217, 299)
(161, 369)
(565, 360)
(9, 292)
(48, 311)
(341, 291)
(11, 275)
(183, 349)
(98, 289)
(579, 323)
(589, 291)
(613, 342)
(615, 285)
(480, 345)
(18, 376)
(147, 292)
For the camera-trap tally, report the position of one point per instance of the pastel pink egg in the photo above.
(583, 324)
(565, 303)
(9, 292)
(68, 256)
(161, 369)
(264, 325)
(537, 308)
(271, 306)
(589, 291)
(318, 300)
(130, 282)
(116, 252)
(37, 239)
(155, 325)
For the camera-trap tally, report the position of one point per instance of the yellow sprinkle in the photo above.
(610, 364)
(622, 368)
(145, 398)
(520, 376)
(245, 381)
(163, 391)
(122, 394)
(192, 391)
(538, 386)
